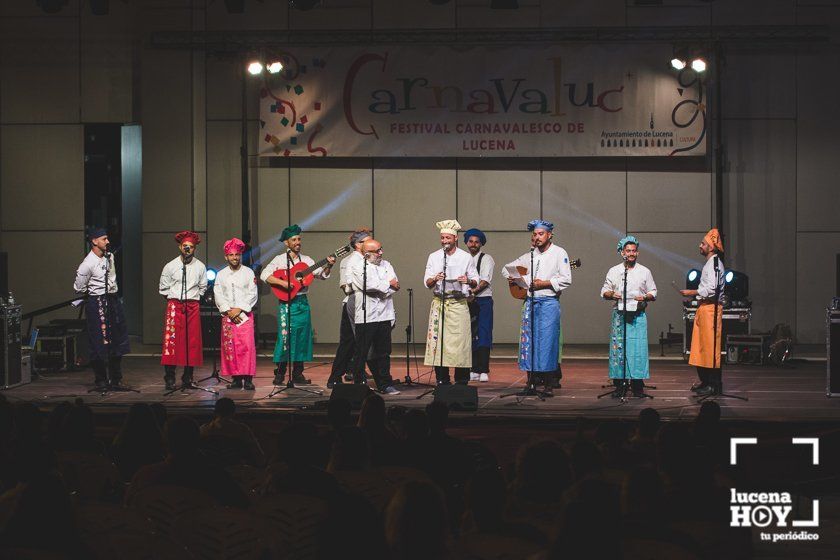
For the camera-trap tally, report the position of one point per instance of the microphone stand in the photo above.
(715, 347)
(530, 389)
(290, 383)
(433, 389)
(215, 334)
(109, 388)
(183, 301)
(410, 343)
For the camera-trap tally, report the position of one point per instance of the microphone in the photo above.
(447, 246)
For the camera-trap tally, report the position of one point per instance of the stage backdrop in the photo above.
(569, 101)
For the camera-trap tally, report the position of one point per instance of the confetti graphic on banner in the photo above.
(290, 97)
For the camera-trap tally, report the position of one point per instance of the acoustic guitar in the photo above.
(522, 293)
(301, 275)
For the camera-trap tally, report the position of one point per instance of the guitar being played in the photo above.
(289, 275)
(302, 273)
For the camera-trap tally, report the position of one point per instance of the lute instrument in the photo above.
(519, 292)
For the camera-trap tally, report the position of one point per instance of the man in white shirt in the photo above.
(481, 306)
(182, 283)
(235, 294)
(347, 338)
(706, 336)
(450, 273)
(628, 318)
(539, 347)
(294, 320)
(374, 283)
(107, 333)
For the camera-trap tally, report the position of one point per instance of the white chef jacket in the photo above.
(379, 300)
(90, 276)
(551, 264)
(235, 289)
(706, 289)
(171, 279)
(639, 282)
(460, 263)
(486, 273)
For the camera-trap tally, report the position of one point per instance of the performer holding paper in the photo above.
(539, 347)
(629, 314)
(450, 273)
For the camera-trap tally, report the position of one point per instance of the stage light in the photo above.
(274, 67)
(51, 6)
(677, 63)
(211, 275)
(698, 65)
(303, 5)
(255, 68)
(736, 285)
(504, 4)
(692, 279)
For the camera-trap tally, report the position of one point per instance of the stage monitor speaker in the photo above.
(4, 274)
(832, 347)
(11, 372)
(457, 396)
(356, 393)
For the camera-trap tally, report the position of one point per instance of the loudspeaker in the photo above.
(11, 373)
(356, 393)
(4, 274)
(832, 347)
(457, 396)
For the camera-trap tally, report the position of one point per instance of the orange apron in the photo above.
(702, 348)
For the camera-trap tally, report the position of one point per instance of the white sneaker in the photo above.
(484, 377)
(474, 376)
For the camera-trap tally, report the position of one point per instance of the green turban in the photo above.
(290, 232)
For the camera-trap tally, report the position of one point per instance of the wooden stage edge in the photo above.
(795, 393)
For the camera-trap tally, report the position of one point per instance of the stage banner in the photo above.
(415, 101)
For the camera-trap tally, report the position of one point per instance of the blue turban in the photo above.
(96, 232)
(625, 241)
(475, 232)
(540, 224)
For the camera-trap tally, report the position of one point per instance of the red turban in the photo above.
(234, 245)
(187, 235)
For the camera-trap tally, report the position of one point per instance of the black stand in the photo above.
(716, 355)
(410, 343)
(109, 386)
(290, 383)
(216, 335)
(530, 389)
(183, 301)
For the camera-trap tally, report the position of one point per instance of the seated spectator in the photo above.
(381, 439)
(295, 467)
(78, 431)
(542, 476)
(339, 536)
(339, 415)
(643, 441)
(43, 519)
(139, 441)
(350, 452)
(232, 435)
(186, 466)
(486, 500)
(416, 525)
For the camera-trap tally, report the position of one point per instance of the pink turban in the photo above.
(234, 245)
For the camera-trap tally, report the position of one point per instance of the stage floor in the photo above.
(793, 393)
